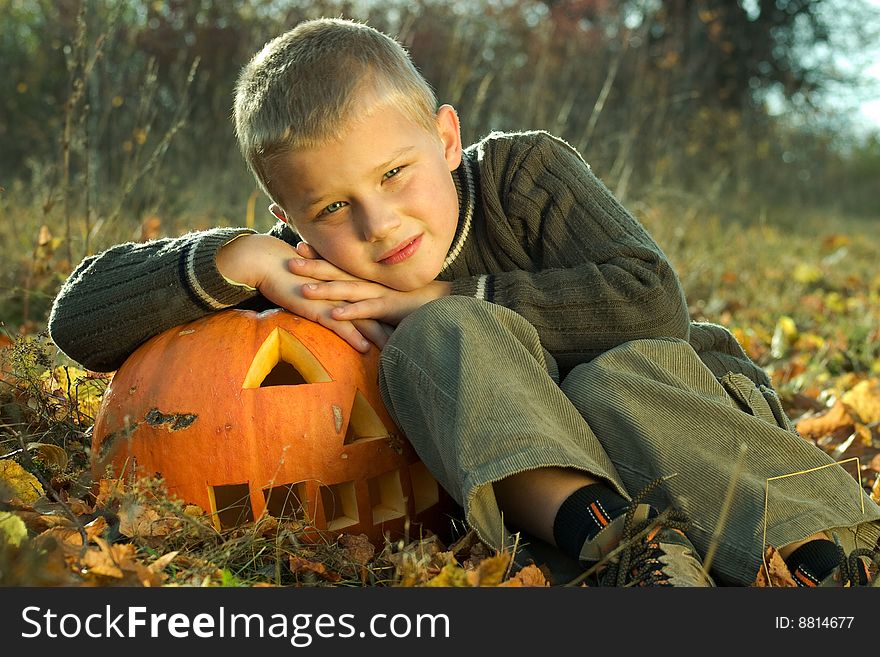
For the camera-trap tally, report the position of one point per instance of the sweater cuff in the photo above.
(478, 287)
(203, 278)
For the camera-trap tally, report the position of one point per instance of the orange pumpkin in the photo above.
(244, 413)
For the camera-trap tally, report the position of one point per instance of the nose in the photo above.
(378, 221)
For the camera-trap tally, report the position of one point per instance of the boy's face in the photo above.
(380, 202)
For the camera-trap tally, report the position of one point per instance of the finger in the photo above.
(306, 250)
(372, 330)
(348, 332)
(318, 269)
(388, 329)
(364, 309)
(339, 291)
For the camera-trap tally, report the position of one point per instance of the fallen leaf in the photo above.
(834, 418)
(490, 571)
(784, 335)
(103, 562)
(779, 575)
(530, 575)
(108, 489)
(78, 507)
(162, 562)
(807, 274)
(96, 528)
(139, 520)
(864, 401)
(452, 575)
(12, 529)
(357, 548)
(52, 455)
(119, 562)
(21, 484)
(300, 565)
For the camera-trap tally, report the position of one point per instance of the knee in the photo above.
(442, 318)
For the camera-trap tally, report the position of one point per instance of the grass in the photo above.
(800, 290)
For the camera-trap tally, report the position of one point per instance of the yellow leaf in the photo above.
(807, 274)
(77, 385)
(864, 400)
(490, 571)
(22, 484)
(835, 302)
(784, 335)
(451, 575)
(12, 529)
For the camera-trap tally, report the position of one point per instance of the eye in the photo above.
(393, 172)
(333, 207)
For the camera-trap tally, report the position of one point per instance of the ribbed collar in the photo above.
(463, 177)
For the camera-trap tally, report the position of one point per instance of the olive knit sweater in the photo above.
(538, 233)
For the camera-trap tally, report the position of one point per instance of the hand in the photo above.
(261, 261)
(366, 299)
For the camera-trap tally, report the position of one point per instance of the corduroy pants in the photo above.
(472, 388)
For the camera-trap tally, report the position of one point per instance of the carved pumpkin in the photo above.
(244, 413)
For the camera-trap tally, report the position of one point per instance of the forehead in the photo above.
(367, 143)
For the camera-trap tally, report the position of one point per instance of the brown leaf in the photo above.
(822, 425)
(420, 551)
(357, 548)
(78, 507)
(530, 575)
(300, 565)
(462, 547)
(96, 528)
(779, 575)
(52, 455)
(67, 537)
(119, 562)
(139, 520)
(106, 560)
(160, 564)
(108, 490)
(491, 571)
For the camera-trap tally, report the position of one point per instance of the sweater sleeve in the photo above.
(118, 299)
(578, 266)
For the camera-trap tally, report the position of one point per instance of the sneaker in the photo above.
(637, 549)
(858, 568)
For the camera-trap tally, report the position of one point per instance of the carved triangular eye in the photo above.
(282, 360)
(364, 422)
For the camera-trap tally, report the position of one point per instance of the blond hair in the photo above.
(303, 87)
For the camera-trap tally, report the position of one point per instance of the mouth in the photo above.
(401, 252)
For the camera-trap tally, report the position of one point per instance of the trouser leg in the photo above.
(474, 392)
(658, 411)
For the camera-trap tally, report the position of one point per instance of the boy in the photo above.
(536, 344)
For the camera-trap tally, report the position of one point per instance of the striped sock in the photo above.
(812, 562)
(584, 514)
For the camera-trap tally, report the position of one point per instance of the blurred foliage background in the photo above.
(115, 116)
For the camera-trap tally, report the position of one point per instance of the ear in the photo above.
(279, 213)
(449, 131)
